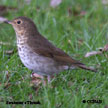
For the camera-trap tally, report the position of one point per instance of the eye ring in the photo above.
(19, 22)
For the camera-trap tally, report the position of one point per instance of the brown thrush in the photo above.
(37, 53)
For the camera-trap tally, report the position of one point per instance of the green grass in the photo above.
(60, 27)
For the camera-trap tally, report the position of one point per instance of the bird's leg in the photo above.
(36, 75)
(39, 77)
(42, 78)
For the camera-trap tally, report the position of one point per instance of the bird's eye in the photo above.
(18, 22)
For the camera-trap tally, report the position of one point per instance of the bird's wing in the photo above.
(62, 58)
(58, 55)
(43, 47)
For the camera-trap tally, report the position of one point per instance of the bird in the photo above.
(38, 54)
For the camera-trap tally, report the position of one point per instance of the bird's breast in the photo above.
(36, 62)
(26, 56)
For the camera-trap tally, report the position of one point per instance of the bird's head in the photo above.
(23, 25)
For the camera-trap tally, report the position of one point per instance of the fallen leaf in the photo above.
(55, 3)
(101, 50)
(2, 19)
(92, 53)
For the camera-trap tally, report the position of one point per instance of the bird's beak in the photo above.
(8, 22)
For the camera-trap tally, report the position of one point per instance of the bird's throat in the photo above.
(21, 40)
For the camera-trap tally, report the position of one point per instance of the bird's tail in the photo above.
(86, 68)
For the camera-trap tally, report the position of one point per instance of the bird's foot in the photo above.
(38, 79)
